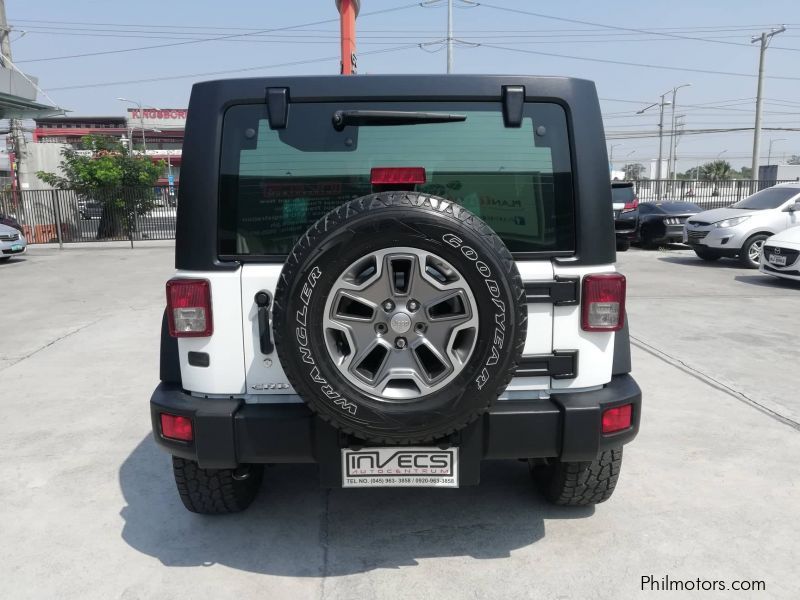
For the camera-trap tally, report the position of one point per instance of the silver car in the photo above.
(740, 229)
(12, 242)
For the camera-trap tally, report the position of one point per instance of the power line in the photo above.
(219, 38)
(227, 71)
(616, 27)
(633, 64)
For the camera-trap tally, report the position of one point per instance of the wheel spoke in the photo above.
(400, 323)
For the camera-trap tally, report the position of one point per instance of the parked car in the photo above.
(337, 301)
(780, 255)
(12, 242)
(11, 222)
(740, 230)
(624, 203)
(662, 222)
(91, 209)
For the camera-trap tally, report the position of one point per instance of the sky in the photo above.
(705, 44)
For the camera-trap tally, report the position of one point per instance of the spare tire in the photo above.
(399, 317)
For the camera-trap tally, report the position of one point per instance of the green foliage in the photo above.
(718, 170)
(633, 171)
(109, 174)
(108, 166)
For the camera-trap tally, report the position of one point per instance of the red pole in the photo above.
(348, 11)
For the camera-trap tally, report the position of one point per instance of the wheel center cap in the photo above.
(400, 322)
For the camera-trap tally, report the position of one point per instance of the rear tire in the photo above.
(579, 483)
(750, 254)
(706, 254)
(623, 245)
(215, 491)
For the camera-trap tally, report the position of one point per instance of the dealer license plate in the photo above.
(776, 259)
(16, 247)
(400, 467)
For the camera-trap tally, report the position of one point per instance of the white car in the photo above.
(781, 255)
(12, 242)
(740, 229)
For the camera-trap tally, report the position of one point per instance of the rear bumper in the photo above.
(228, 432)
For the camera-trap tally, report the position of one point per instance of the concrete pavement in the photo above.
(709, 489)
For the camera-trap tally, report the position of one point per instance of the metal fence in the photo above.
(122, 214)
(131, 214)
(706, 194)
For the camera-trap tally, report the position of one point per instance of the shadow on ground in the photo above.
(694, 261)
(768, 281)
(297, 529)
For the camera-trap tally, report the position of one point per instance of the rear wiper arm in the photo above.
(342, 118)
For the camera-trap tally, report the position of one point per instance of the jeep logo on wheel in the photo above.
(400, 323)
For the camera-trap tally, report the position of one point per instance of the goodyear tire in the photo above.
(399, 317)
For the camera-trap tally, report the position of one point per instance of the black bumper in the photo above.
(228, 432)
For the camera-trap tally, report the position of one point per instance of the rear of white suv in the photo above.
(395, 278)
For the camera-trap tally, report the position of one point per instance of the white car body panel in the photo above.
(786, 240)
(595, 348)
(264, 374)
(225, 374)
(239, 368)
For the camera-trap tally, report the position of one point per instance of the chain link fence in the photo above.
(120, 214)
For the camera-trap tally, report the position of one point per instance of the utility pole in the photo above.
(348, 12)
(670, 166)
(449, 36)
(17, 140)
(764, 38)
(769, 154)
(661, 106)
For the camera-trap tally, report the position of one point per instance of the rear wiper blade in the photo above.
(342, 118)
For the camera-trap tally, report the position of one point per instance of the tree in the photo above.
(109, 174)
(795, 160)
(716, 171)
(633, 171)
(746, 172)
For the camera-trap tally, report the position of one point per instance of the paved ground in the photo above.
(709, 489)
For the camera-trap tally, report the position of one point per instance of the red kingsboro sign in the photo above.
(159, 113)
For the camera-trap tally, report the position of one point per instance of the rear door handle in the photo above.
(263, 301)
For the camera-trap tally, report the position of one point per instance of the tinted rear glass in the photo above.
(276, 183)
(769, 198)
(622, 194)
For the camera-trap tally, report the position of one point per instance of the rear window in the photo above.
(622, 194)
(276, 183)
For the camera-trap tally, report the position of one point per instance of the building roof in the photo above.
(16, 107)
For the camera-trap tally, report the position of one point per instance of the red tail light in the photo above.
(176, 427)
(189, 308)
(617, 418)
(603, 302)
(396, 175)
(629, 206)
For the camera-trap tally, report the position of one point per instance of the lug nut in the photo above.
(400, 343)
(388, 305)
(380, 328)
(412, 305)
(420, 327)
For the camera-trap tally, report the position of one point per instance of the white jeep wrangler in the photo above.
(395, 278)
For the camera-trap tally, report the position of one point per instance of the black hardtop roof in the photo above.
(197, 226)
(387, 87)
